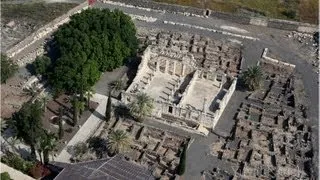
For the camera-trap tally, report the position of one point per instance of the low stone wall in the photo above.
(30, 56)
(264, 56)
(45, 30)
(272, 23)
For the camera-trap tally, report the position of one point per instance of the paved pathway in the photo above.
(88, 128)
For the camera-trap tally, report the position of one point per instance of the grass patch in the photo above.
(300, 10)
(38, 13)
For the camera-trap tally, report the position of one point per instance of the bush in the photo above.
(289, 13)
(8, 68)
(5, 176)
(16, 162)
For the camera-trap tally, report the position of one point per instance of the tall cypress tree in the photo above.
(61, 132)
(182, 163)
(108, 108)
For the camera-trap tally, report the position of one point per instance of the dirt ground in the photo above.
(12, 94)
(69, 130)
(20, 20)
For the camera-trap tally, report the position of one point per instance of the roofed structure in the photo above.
(115, 168)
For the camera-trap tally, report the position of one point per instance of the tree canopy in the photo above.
(27, 124)
(253, 77)
(41, 64)
(92, 42)
(8, 68)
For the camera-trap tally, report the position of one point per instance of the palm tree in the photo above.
(47, 144)
(89, 95)
(45, 99)
(4, 125)
(78, 106)
(31, 91)
(253, 77)
(118, 142)
(141, 107)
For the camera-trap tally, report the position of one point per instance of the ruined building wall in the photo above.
(141, 69)
(224, 101)
(189, 87)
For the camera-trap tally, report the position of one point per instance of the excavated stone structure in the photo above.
(186, 92)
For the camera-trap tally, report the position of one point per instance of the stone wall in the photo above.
(223, 102)
(41, 33)
(141, 68)
(275, 61)
(190, 86)
(272, 23)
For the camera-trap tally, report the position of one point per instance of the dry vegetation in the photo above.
(302, 10)
(37, 13)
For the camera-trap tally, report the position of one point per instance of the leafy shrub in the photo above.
(5, 176)
(8, 68)
(16, 162)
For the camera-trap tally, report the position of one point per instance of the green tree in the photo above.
(44, 99)
(253, 77)
(182, 163)
(108, 108)
(47, 144)
(8, 68)
(78, 106)
(92, 42)
(5, 176)
(4, 125)
(61, 130)
(89, 95)
(16, 162)
(31, 91)
(118, 142)
(141, 107)
(41, 65)
(27, 124)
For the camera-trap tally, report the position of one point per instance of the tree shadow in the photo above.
(98, 145)
(122, 111)
(98, 115)
(241, 86)
(30, 68)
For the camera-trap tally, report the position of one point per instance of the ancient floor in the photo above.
(202, 89)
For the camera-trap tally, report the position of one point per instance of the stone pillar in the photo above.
(166, 67)
(183, 69)
(174, 68)
(204, 108)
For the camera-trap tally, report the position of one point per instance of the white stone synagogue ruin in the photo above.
(191, 79)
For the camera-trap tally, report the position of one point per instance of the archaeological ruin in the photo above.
(190, 78)
(270, 139)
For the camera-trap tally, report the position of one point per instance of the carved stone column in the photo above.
(174, 68)
(166, 67)
(183, 69)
